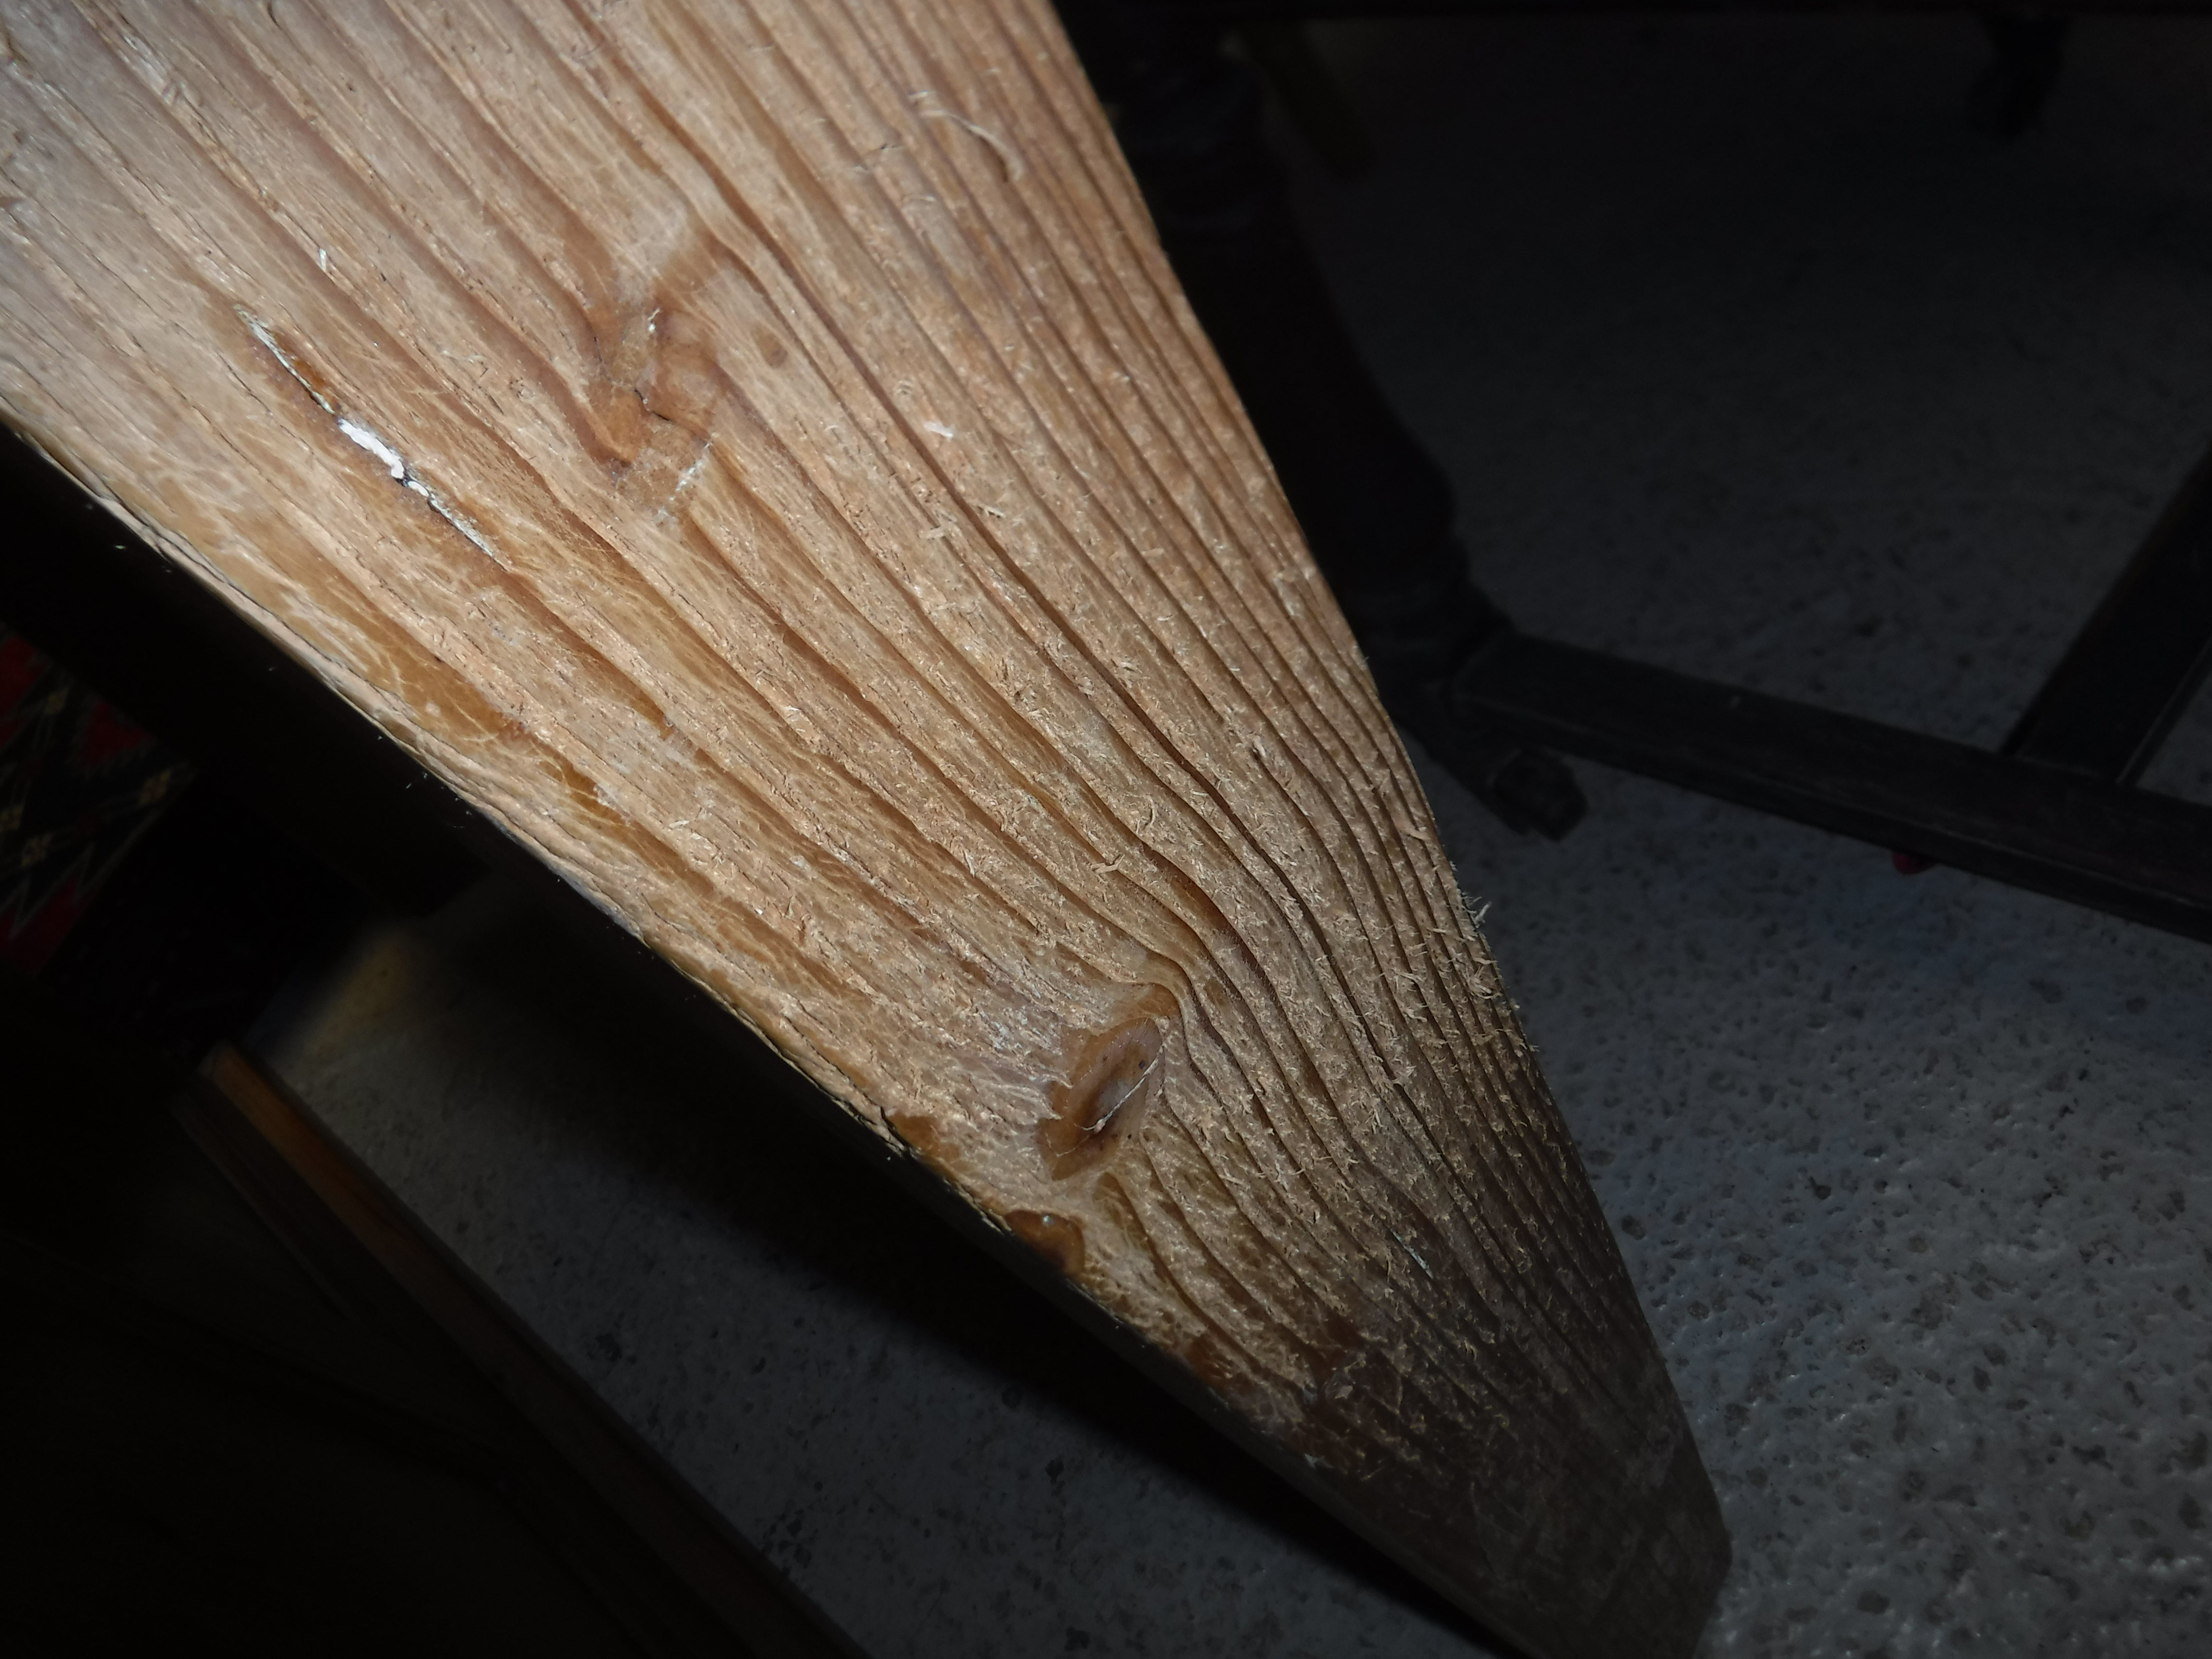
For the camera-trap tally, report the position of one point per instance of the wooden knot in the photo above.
(1114, 1082)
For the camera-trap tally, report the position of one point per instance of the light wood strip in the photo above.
(757, 453)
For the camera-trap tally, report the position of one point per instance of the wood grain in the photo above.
(757, 453)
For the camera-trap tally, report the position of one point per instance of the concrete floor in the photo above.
(1750, 358)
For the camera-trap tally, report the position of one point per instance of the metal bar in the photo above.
(2146, 857)
(2130, 673)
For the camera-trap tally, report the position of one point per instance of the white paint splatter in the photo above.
(366, 437)
(376, 447)
(693, 471)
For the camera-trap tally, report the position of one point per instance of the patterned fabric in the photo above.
(79, 784)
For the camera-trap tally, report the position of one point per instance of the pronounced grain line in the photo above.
(757, 453)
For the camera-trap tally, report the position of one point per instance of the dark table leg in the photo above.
(1376, 510)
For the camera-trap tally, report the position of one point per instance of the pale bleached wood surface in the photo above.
(758, 454)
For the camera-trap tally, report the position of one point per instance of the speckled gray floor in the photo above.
(947, 1465)
(1750, 358)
